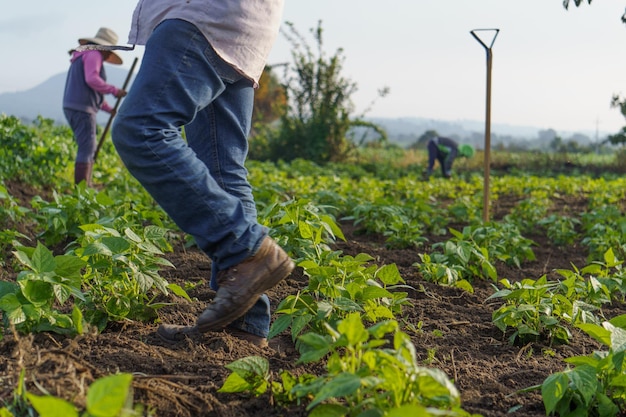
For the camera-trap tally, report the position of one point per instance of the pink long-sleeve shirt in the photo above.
(92, 65)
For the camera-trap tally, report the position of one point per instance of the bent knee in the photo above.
(124, 136)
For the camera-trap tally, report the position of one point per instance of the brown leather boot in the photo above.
(82, 172)
(241, 285)
(239, 288)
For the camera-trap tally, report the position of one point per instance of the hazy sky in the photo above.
(552, 68)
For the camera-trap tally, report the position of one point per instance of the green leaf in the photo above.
(77, 318)
(253, 370)
(42, 260)
(153, 233)
(465, 285)
(329, 410)
(353, 329)
(317, 346)
(235, 383)
(305, 230)
(7, 288)
(103, 199)
(379, 330)
(118, 306)
(342, 385)
(609, 258)
(363, 257)
(553, 390)
(279, 325)
(371, 293)
(618, 338)
(132, 235)
(389, 274)
(403, 345)
(308, 264)
(10, 302)
(583, 360)
(618, 321)
(346, 304)
(163, 262)
(251, 366)
(98, 228)
(49, 406)
(145, 281)
(619, 381)
(39, 293)
(97, 248)
(299, 323)
(599, 333)
(23, 258)
(606, 406)
(434, 383)
(117, 245)
(585, 382)
(333, 226)
(150, 248)
(179, 291)
(107, 396)
(4, 412)
(17, 315)
(62, 293)
(375, 312)
(69, 266)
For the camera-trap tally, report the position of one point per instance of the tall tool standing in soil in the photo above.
(117, 103)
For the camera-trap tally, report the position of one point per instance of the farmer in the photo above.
(201, 64)
(85, 88)
(445, 150)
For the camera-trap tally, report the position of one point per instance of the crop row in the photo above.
(84, 257)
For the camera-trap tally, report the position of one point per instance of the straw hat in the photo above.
(105, 36)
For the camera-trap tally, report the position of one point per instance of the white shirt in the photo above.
(242, 32)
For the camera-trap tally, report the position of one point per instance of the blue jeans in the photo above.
(201, 182)
(83, 126)
(445, 159)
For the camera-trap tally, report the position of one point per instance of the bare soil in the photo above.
(183, 379)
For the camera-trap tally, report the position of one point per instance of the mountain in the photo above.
(407, 130)
(46, 99)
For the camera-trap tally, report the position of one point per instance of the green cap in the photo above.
(466, 150)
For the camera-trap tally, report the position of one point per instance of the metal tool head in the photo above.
(93, 47)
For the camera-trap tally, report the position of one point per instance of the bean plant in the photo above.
(109, 396)
(30, 303)
(363, 375)
(595, 384)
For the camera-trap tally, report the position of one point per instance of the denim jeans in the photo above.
(445, 159)
(83, 126)
(199, 179)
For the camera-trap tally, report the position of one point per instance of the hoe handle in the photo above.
(117, 103)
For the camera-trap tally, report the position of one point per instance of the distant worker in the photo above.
(85, 88)
(445, 150)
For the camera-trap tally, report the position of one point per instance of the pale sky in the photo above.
(552, 68)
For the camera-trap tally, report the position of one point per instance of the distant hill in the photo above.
(46, 99)
(406, 131)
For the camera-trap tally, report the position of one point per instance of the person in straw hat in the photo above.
(85, 88)
(201, 63)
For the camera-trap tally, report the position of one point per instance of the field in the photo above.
(395, 221)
